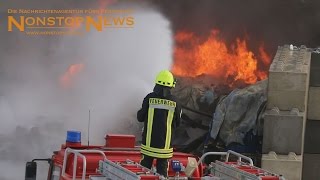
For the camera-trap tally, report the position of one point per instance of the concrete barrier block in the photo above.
(314, 103)
(287, 81)
(285, 52)
(289, 78)
(312, 137)
(290, 165)
(287, 100)
(283, 131)
(291, 60)
(311, 167)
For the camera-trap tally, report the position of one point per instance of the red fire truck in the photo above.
(119, 159)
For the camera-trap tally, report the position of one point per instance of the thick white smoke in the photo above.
(119, 69)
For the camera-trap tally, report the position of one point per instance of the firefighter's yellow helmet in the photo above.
(165, 78)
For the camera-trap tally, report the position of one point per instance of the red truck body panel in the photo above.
(118, 148)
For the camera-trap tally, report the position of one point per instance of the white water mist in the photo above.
(119, 69)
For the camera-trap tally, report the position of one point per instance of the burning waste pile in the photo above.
(232, 121)
(221, 60)
(222, 89)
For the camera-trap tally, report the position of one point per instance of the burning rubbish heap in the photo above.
(233, 121)
(232, 65)
(277, 117)
(217, 52)
(223, 90)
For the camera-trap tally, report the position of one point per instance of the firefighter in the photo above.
(161, 114)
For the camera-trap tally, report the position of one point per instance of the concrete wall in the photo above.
(289, 79)
(286, 114)
(311, 156)
(290, 165)
(283, 131)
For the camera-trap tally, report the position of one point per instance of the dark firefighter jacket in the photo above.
(161, 114)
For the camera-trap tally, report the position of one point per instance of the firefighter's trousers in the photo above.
(162, 164)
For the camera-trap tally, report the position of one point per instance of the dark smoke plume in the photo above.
(273, 22)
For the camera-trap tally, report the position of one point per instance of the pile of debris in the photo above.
(238, 114)
(212, 117)
(199, 98)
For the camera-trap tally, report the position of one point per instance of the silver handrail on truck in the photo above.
(227, 154)
(240, 156)
(77, 153)
(225, 171)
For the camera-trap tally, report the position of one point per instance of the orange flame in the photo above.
(264, 56)
(194, 57)
(66, 79)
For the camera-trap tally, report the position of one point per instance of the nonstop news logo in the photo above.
(67, 21)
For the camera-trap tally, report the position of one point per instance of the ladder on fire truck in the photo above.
(238, 170)
(129, 170)
(109, 170)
